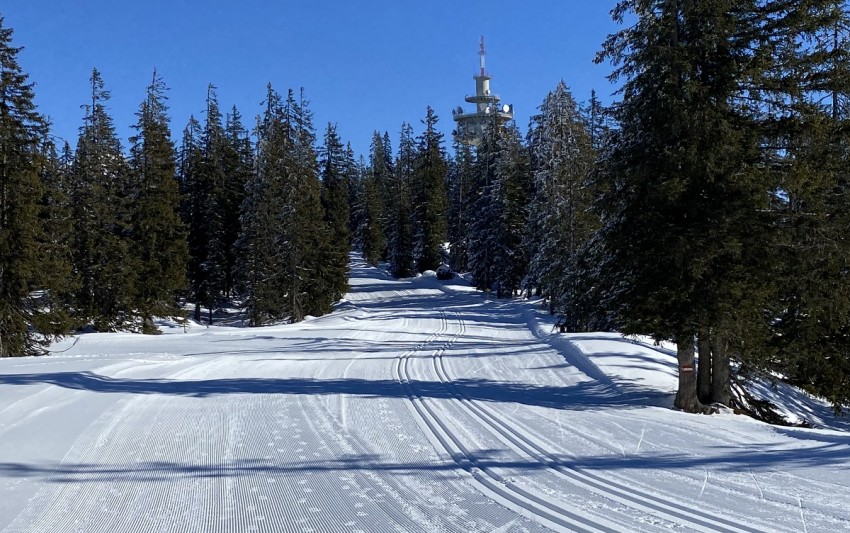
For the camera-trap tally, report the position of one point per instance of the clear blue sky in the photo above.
(365, 64)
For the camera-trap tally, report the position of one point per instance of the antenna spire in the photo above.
(482, 53)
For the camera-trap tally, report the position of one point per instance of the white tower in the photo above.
(470, 126)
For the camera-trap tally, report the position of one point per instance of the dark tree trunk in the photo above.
(197, 312)
(686, 396)
(721, 390)
(704, 367)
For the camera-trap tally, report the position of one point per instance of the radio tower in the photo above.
(470, 126)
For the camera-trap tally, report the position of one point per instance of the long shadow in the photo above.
(729, 459)
(585, 395)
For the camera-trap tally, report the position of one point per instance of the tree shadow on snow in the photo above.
(583, 395)
(730, 459)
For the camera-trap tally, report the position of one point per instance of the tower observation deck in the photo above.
(488, 108)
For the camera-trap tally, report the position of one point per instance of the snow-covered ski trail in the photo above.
(490, 482)
(416, 406)
(524, 443)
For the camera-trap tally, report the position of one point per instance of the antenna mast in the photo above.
(482, 53)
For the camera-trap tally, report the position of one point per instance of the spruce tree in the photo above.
(218, 209)
(334, 163)
(485, 212)
(103, 263)
(237, 159)
(21, 190)
(560, 223)
(510, 198)
(811, 314)
(428, 190)
(262, 248)
(196, 193)
(400, 236)
(376, 202)
(461, 180)
(686, 186)
(55, 219)
(158, 236)
(313, 276)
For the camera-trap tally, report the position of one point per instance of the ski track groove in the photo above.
(779, 499)
(491, 483)
(523, 444)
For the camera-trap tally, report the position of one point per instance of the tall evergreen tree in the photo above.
(428, 189)
(313, 276)
(560, 223)
(264, 217)
(55, 218)
(811, 315)
(376, 201)
(286, 267)
(510, 198)
(400, 236)
(334, 163)
(485, 212)
(709, 86)
(216, 174)
(237, 159)
(460, 189)
(103, 263)
(158, 236)
(21, 190)
(196, 193)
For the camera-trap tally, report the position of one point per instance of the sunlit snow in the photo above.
(418, 405)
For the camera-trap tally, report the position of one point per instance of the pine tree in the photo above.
(262, 248)
(215, 173)
(55, 219)
(811, 314)
(485, 212)
(460, 191)
(704, 171)
(510, 198)
(354, 170)
(559, 223)
(334, 163)
(287, 268)
(400, 237)
(196, 192)
(21, 190)
(430, 203)
(103, 263)
(314, 280)
(158, 236)
(237, 160)
(375, 184)
(684, 168)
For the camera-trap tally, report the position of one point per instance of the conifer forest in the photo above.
(709, 205)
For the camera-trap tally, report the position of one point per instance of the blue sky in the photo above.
(365, 65)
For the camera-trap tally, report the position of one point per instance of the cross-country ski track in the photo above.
(417, 405)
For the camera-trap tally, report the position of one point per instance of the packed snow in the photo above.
(418, 405)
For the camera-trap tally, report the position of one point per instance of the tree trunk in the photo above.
(197, 312)
(686, 396)
(721, 391)
(704, 367)
(210, 314)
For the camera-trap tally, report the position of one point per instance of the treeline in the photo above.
(93, 238)
(709, 206)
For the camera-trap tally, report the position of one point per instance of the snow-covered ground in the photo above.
(416, 406)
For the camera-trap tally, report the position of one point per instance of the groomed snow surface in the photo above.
(417, 405)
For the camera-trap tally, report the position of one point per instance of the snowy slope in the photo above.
(416, 406)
